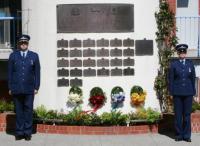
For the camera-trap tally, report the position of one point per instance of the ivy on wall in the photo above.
(166, 41)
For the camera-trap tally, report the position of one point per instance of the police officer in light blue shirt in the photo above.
(182, 88)
(23, 84)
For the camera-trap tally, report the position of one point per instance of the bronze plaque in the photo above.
(88, 18)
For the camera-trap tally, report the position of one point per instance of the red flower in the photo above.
(97, 101)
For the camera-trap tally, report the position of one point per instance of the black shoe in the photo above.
(187, 139)
(178, 139)
(19, 137)
(27, 137)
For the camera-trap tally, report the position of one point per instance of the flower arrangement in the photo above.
(117, 97)
(97, 98)
(138, 96)
(75, 97)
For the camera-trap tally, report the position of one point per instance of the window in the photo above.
(182, 3)
(8, 23)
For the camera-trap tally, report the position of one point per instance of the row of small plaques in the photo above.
(92, 43)
(66, 82)
(92, 53)
(142, 47)
(92, 72)
(92, 62)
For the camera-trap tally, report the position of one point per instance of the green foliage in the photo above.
(195, 107)
(52, 114)
(113, 118)
(76, 89)
(148, 114)
(136, 89)
(152, 115)
(96, 91)
(166, 41)
(75, 117)
(79, 118)
(40, 112)
(116, 90)
(92, 120)
(6, 106)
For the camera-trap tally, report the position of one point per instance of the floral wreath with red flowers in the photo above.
(97, 98)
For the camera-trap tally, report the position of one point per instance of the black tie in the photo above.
(23, 55)
(182, 61)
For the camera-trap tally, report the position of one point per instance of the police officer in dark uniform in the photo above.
(23, 82)
(182, 88)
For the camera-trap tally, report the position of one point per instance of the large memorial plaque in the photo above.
(144, 47)
(88, 18)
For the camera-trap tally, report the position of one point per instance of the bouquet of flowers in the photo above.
(138, 96)
(117, 96)
(97, 98)
(75, 97)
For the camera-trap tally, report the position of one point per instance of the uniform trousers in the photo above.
(24, 113)
(182, 109)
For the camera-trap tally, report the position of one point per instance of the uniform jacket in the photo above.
(23, 73)
(182, 78)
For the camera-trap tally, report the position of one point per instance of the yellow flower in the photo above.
(138, 99)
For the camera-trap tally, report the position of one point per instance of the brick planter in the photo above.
(167, 123)
(195, 122)
(7, 124)
(92, 130)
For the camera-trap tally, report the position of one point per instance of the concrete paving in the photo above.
(98, 140)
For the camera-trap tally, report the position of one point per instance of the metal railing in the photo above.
(189, 32)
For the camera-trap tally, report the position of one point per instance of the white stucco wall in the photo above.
(191, 10)
(43, 31)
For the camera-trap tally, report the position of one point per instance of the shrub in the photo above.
(6, 106)
(114, 118)
(195, 106)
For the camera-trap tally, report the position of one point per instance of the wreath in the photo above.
(117, 97)
(75, 97)
(97, 98)
(138, 96)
